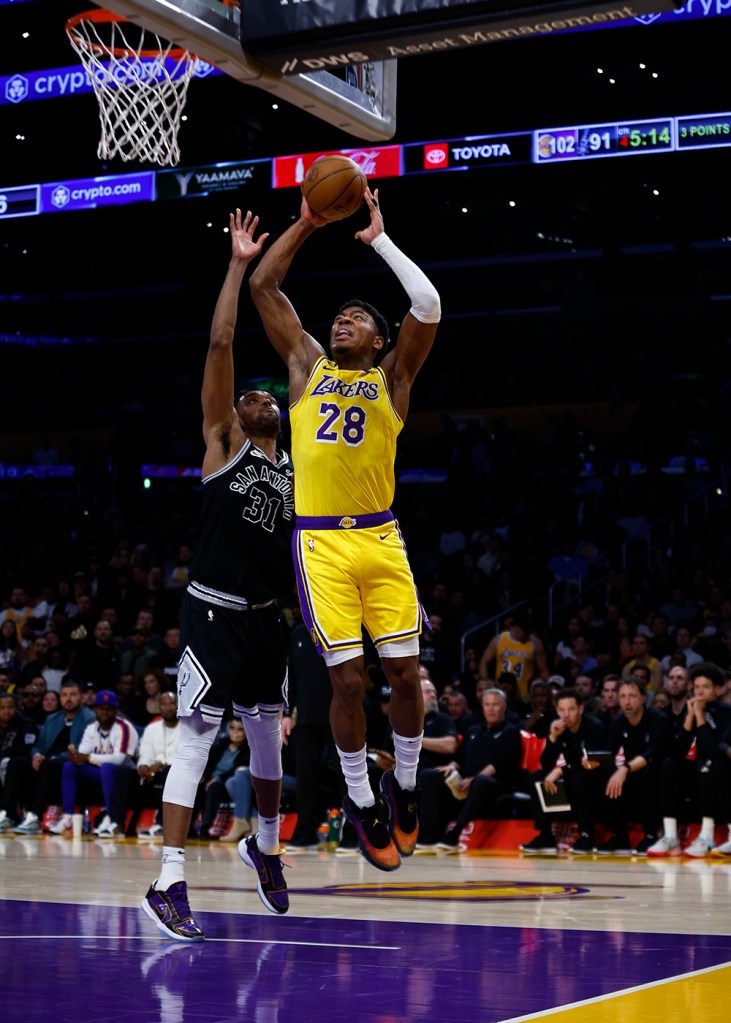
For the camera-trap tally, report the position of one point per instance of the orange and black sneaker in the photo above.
(403, 821)
(371, 828)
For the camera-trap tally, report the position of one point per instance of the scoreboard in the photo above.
(591, 141)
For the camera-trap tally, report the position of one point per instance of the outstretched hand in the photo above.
(243, 245)
(376, 225)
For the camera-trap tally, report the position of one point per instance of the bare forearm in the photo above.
(277, 260)
(445, 744)
(226, 311)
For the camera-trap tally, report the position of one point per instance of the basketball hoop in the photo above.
(140, 81)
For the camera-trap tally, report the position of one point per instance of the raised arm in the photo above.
(299, 349)
(419, 326)
(221, 428)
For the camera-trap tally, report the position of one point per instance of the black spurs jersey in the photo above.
(244, 538)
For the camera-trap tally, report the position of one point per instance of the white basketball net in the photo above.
(141, 83)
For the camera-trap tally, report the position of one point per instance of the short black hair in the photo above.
(250, 390)
(708, 670)
(378, 318)
(569, 694)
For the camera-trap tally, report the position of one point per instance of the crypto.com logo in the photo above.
(16, 89)
(61, 196)
(647, 19)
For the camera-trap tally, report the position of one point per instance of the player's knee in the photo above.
(347, 683)
(403, 674)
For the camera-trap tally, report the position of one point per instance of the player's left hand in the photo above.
(376, 225)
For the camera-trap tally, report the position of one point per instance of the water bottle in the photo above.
(86, 825)
(335, 823)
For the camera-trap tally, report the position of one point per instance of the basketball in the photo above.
(334, 187)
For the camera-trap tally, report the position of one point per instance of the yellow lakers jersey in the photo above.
(517, 658)
(344, 430)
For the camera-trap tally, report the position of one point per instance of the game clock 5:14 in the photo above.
(592, 141)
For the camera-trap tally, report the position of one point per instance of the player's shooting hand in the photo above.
(308, 214)
(376, 225)
(243, 245)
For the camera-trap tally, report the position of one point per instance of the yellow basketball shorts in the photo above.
(353, 577)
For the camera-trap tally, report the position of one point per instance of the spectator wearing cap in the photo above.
(105, 757)
(88, 693)
(31, 700)
(557, 683)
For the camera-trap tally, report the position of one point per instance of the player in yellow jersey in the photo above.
(346, 412)
(518, 651)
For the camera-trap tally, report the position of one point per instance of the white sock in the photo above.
(355, 772)
(407, 759)
(670, 828)
(708, 828)
(267, 837)
(173, 867)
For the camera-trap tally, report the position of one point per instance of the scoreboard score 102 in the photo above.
(589, 141)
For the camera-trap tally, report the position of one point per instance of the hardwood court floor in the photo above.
(445, 939)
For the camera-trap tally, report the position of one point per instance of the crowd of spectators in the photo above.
(92, 573)
(98, 645)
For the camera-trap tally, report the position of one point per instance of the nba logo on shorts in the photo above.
(436, 156)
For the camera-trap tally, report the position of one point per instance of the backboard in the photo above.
(211, 30)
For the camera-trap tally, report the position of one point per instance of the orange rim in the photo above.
(101, 17)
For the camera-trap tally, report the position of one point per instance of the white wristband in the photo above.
(425, 305)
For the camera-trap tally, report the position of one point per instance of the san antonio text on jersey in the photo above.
(248, 515)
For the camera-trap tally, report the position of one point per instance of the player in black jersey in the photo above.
(231, 642)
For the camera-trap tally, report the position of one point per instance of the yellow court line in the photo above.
(698, 996)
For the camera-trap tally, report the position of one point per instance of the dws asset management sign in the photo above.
(298, 36)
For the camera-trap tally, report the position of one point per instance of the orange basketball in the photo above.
(334, 187)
